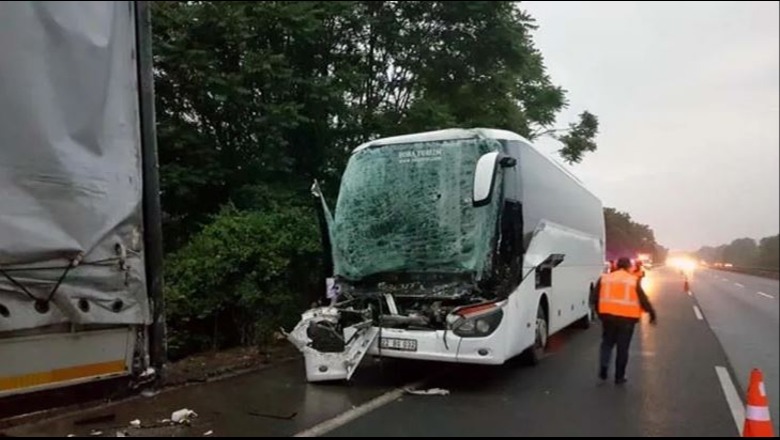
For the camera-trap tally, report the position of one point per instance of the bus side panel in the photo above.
(520, 316)
(571, 280)
(551, 194)
(559, 216)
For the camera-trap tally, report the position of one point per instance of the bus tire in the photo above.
(586, 321)
(534, 354)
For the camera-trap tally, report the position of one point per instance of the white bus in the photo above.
(458, 245)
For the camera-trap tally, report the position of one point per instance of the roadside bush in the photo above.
(240, 278)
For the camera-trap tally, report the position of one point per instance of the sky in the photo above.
(687, 95)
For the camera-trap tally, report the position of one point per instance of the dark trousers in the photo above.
(616, 331)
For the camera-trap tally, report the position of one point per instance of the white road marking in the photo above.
(697, 311)
(766, 295)
(690, 293)
(738, 285)
(356, 412)
(732, 397)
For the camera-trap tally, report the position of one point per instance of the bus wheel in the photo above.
(586, 321)
(535, 353)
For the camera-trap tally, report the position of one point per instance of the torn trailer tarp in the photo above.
(70, 166)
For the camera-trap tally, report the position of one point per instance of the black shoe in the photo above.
(603, 374)
(621, 380)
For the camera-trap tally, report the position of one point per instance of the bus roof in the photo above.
(461, 133)
(444, 135)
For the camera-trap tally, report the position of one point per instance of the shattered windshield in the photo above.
(407, 208)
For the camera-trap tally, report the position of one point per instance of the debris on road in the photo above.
(428, 392)
(135, 423)
(274, 416)
(96, 433)
(150, 393)
(208, 433)
(183, 415)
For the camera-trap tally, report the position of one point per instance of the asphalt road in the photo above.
(673, 390)
(744, 311)
(673, 387)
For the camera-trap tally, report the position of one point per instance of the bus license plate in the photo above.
(398, 344)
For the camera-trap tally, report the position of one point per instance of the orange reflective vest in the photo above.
(618, 295)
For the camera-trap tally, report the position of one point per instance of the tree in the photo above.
(277, 93)
(628, 238)
(741, 252)
(256, 99)
(580, 138)
(769, 252)
(745, 252)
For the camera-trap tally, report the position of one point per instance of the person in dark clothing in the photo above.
(619, 299)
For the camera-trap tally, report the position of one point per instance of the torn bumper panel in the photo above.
(329, 364)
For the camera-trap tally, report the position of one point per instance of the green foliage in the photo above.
(769, 252)
(627, 238)
(254, 100)
(241, 277)
(745, 252)
(580, 138)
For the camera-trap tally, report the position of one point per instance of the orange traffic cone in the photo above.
(757, 421)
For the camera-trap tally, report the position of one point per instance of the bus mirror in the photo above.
(508, 162)
(484, 177)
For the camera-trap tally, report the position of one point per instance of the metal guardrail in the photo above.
(758, 271)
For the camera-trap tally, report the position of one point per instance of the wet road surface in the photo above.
(743, 312)
(673, 390)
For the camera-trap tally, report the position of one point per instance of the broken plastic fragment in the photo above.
(183, 415)
(96, 432)
(208, 433)
(428, 392)
(135, 423)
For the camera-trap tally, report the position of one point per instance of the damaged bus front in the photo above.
(428, 253)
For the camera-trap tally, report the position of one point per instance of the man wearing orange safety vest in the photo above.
(619, 300)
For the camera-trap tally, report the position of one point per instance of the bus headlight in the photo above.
(477, 322)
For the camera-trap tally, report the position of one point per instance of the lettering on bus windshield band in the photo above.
(431, 154)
